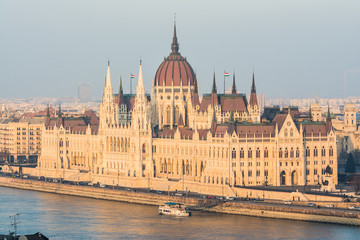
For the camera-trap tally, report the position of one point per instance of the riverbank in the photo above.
(263, 209)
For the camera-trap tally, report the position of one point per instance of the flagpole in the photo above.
(130, 83)
(224, 81)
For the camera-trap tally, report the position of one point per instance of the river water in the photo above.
(67, 217)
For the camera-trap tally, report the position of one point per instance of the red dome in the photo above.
(174, 69)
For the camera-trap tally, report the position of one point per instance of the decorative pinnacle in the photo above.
(253, 89)
(214, 85)
(175, 44)
(233, 90)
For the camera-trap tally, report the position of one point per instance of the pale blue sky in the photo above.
(298, 48)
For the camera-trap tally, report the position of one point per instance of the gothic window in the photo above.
(144, 148)
(233, 154)
(286, 153)
(331, 151)
(297, 152)
(280, 153)
(286, 133)
(176, 115)
(323, 152)
(241, 153)
(257, 153)
(168, 115)
(315, 152)
(307, 151)
(266, 153)
(291, 132)
(250, 173)
(291, 152)
(249, 153)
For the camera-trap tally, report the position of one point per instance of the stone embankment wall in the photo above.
(249, 209)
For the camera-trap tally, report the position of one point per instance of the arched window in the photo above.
(257, 153)
(249, 153)
(266, 153)
(233, 154)
(168, 115)
(286, 153)
(144, 148)
(286, 133)
(291, 152)
(241, 153)
(176, 115)
(280, 153)
(307, 151)
(323, 152)
(315, 152)
(331, 151)
(297, 152)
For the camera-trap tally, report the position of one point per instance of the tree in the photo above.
(350, 166)
(355, 183)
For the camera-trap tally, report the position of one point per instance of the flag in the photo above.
(132, 76)
(226, 74)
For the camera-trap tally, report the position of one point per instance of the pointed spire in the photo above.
(108, 78)
(120, 86)
(174, 44)
(214, 85)
(233, 89)
(310, 111)
(328, 116)
(253, 97)
(140, 89)
(253, 89)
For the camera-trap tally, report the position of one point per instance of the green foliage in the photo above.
(350, 166)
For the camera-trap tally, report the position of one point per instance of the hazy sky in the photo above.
(298, 48)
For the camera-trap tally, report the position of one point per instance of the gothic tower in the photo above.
(253, 107)
(107, 108)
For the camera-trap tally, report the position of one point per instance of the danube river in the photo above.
(67, 217)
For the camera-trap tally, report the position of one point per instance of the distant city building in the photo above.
(85, 92)
(20, 140)
(171, 137)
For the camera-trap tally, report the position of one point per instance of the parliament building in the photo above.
(174, 136)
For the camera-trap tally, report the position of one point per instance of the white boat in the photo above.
(174, 209)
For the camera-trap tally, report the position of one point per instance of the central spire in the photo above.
(174, 44)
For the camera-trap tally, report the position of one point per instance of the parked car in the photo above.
(90, 184)
(102, 185)
(354, 207)
(288, 202)
(178, 194)
(25, 176)
(229, 198)
(329, 205)
(311, 204)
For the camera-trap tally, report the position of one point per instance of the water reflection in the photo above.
(68, 217)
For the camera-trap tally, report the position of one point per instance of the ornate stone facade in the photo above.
(173, 136)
